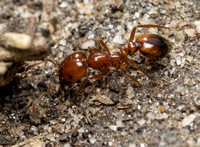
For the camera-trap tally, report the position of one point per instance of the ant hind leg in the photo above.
(151, 26)
(144, 26)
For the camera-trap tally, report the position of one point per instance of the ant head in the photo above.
(133, 47)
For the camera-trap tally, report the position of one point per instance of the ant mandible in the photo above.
(74, 67)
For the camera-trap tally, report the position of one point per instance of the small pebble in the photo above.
(162, 116)
(141, 122)
(190, 32)
(110, 143)
(189, 58)
(162, 109)
(92, 140)
(89, 43)
(63, 5)
(119, 123)
(67, 145)
(118, 39)
(190, 141)
(62, 42)
(132, 145)
(3, 68)
(102, 99)
(188, 120)
(144, 109)
(170, 96)
(113, 127)
(197, 23)
(178, 60)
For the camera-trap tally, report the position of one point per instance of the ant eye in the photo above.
(70, 76)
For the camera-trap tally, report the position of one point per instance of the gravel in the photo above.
(127, 115)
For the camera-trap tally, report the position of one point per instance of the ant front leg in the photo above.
(46, 60)
(144, 26)
(138, 83)
(51, 81)
(132, 63)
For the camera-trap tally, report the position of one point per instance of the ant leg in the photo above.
(151, 26)
(50, 85)
(99, 76)
(46, 60)
(138, 83)
(104, 46)
(49, 88)
(47, 91)
(139, 68)
(93, 50)
(144, 26)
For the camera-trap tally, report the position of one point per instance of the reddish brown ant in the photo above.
(75, 66)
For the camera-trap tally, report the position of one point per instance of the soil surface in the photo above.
(112, 111)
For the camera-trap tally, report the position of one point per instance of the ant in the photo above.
(74, 67)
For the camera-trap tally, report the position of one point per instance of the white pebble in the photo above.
(178, 60)
(137, 15)
(92, 140)
(119, 123)
(187, 120)
(197, 23)
(91, 36)
(63, 5)
(113, 127)
(17, 40)
(3, 68)
(141, 122)
(87, 44)
(190, 32)
(110, 143)
(132, 145)
(198, 140)
(118, 39)
(139, 107)
(67, 145)
(162, 116)
(190, 142)
(129, 90)
(189, 58)
(63, 42)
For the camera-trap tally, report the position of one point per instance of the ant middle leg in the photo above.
(99, 76)
(93, 50)
(104, 46)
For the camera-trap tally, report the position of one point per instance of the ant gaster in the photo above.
(75, 66)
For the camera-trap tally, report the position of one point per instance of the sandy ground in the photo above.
(112, 111)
